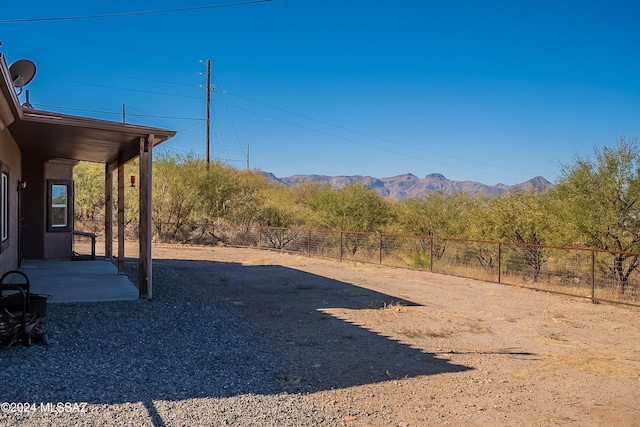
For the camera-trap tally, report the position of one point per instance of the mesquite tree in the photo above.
(600, 195)
(522, 217)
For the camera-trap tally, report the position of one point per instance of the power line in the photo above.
(372, 136)
(119, 75)
(233, 126)
(104, 59)
(362, 143)
(123, 14)
(122, 88)
(166, 146)
(86, 110)
(63, 36)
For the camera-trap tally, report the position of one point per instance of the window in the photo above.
(4, 207)
(5, 212)
(59, 205)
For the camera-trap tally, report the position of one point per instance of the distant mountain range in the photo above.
(410, 186)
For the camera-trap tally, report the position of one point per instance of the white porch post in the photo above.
(145, 277)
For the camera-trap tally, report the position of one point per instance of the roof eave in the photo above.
(10, 109)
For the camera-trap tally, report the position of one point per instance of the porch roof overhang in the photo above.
(51, 135)
(55, 135)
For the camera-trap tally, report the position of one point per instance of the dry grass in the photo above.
(470, 327)
(424, 333)
(604, 364)
(554, 336)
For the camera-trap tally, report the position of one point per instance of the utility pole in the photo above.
(248, 147)
(208, 109)
(124, 114)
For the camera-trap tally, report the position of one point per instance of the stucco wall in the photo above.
(34, 207)
(59, 244)
(11, 157)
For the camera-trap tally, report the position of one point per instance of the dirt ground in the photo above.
(400, 347)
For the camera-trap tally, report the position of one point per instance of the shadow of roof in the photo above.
(213, 330)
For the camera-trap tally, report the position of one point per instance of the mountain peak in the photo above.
(409, 186)
(438, 176)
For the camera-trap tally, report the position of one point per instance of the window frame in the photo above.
(51, 227)
(5, 206)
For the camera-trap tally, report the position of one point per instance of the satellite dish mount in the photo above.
(22, 72)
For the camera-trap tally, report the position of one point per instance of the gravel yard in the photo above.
(256, 338)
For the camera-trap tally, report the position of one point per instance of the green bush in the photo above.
(420, 259)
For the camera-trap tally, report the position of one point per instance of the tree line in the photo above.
(593, 205)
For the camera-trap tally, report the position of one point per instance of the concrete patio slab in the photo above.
(77, 281)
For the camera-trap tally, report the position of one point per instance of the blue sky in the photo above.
(494, 91)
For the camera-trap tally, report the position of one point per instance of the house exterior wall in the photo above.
(11, 158)
(39, 242)
(33, 205)
(58, 244)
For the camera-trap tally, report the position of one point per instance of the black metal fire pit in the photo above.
(21, 312)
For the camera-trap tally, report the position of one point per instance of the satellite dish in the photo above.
(22, 72)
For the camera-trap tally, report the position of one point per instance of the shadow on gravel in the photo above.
(212, 330)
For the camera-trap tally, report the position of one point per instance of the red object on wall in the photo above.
(133, 180)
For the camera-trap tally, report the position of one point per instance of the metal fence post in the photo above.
(282, 244)
(431, 254)
(499, 262)
(593, 276)
(380, 263)
(341, 238)
(309, 244)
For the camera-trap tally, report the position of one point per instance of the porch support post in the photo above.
(120, 219)
(108, 212)
(145, 277)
